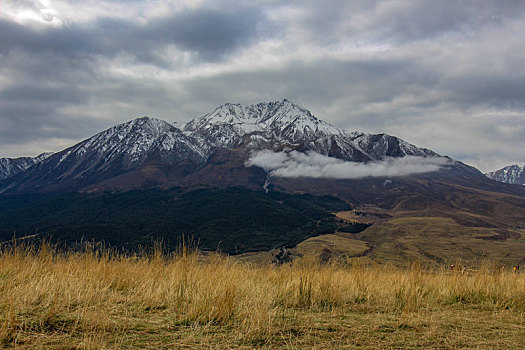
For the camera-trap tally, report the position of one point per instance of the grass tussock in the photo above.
(105, 300)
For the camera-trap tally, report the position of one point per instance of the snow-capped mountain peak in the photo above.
(512, 174)
(126, 146)
(283, 123)
(132, 139)
(231, 114)
(289, 115)
(12, 166)
(279, 121)
(148, 143)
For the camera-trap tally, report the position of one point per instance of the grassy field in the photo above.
(332, 246)
(104, 301)
(443, 241)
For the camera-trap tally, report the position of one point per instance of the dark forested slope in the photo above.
(234, 220)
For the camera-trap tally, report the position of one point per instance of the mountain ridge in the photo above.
(152, 148)
(12, 166)
(511, 174)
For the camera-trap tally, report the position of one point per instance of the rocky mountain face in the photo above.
(206, 151)
(12, 166)
(276, 125)
(110, 153)
(512, 174)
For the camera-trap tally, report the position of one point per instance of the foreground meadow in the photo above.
(108, 301)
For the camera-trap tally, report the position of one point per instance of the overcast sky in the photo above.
(445, 75)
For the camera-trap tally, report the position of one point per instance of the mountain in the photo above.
(274, 122)
(275, 125)
(150, 179)
(122, 149)
(12, 166)
(148, 152)
(512, 174)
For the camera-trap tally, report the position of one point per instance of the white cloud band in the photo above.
(311, 164)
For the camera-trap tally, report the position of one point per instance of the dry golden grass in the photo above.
(104, 301)
(342, 244)
(438, 239)
(339, 245)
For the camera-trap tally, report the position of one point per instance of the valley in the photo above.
(254, 180)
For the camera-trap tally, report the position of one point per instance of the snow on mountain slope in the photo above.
(283, 123)
(273, 125)
(379, 146)
(109, 154)
(293, 123)
(127, 145)
(280, 121)
(512, 174)
(160, 146)
(12, 166)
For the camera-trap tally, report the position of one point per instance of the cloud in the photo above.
(208, 33)
(31, 11)
(442, 75)
(311, 164)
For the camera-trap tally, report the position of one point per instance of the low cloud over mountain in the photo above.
(312, 164)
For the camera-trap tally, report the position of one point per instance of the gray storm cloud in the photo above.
(312, 164)
(443, 75)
